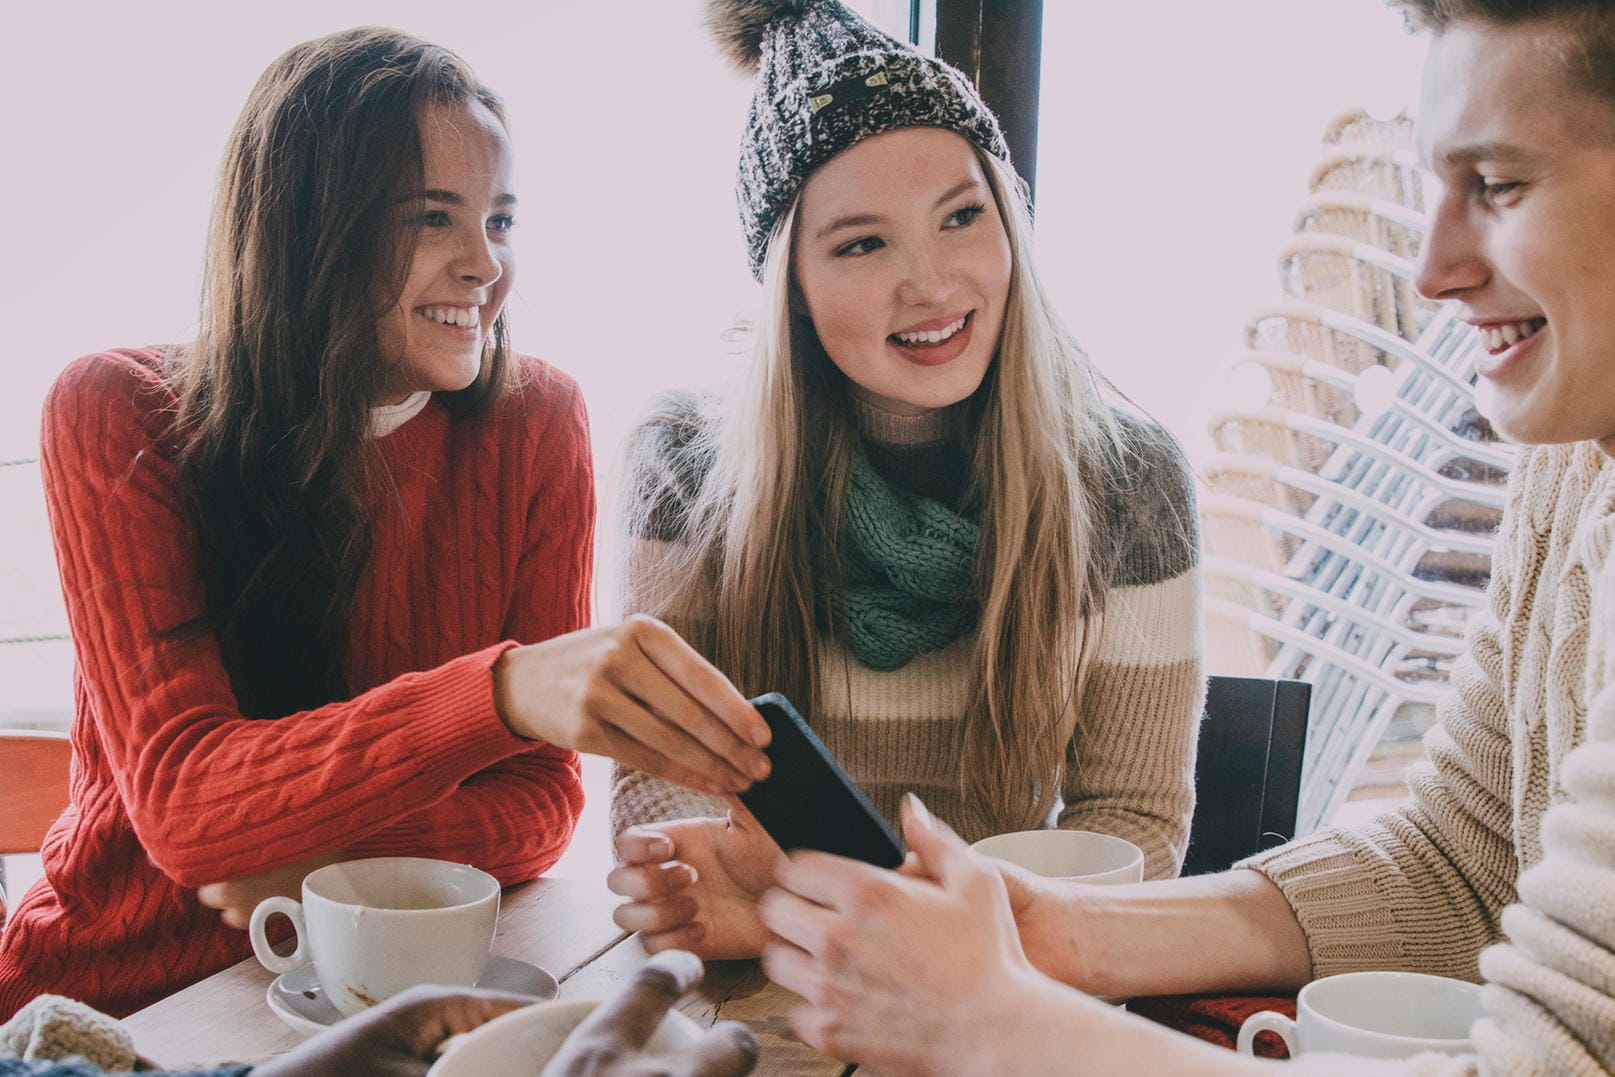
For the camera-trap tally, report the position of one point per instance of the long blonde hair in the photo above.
(752, 490)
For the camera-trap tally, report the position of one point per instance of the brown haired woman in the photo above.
(327, 568)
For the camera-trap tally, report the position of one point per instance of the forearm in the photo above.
(1228, 932)
(181, 777)
(1045, 1028)
(513, 820)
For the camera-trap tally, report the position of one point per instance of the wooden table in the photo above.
(561, 925)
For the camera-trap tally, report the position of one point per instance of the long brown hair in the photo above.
(739, 581)
(305, 253)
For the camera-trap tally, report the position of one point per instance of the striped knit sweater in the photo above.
(482, 536)
(1128, 769)
(1502, 864)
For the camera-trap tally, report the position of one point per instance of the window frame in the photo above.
(999, 45)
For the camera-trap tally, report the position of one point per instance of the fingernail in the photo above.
(759, 767)
(917, 807)
(661, 847)
(759, 734)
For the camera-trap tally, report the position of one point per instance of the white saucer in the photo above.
(297, 999)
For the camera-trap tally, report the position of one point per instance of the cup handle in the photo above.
(261, 949)
(1265, 1021)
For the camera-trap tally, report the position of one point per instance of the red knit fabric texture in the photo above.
(483, 539)
(1216, 1018)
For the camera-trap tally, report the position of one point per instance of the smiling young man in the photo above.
(1501, 866)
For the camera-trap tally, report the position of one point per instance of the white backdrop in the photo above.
(1176, 137)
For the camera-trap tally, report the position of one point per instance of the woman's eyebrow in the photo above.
(861, 220)
(453, 198)
(956, 190)
(857, 220)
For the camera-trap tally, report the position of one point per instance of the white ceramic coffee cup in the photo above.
(375, 927)
(1374, 1014)
(1078, 855)
(524, 1040)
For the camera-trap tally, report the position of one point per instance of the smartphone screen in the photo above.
(808, 801)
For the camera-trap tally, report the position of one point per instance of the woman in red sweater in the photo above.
(327, 568)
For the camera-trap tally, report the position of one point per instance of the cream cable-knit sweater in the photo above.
(1477, 854)
(1129, 770)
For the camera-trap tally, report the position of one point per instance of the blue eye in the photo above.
(860, 246)
(963, 217)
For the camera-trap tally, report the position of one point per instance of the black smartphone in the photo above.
(808, 801)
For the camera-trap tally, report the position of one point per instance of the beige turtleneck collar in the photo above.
(891, 428)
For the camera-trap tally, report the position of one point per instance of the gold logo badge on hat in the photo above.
(849, 90)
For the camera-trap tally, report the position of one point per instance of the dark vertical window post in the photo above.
(999, 44)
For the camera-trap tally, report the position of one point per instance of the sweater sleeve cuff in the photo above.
(1342, 911)
(461, 722)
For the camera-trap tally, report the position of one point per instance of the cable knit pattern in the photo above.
(52, 1027)
(1128, 770)
(908, 576)
(483, 538)
(1507, 795)
(1424, 886)
(827, 78)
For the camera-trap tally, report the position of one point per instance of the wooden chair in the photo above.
(34, 769)
(1247, 776)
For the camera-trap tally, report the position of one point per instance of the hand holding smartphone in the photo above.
(809, 801)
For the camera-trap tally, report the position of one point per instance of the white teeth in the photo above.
(465, 317)
(933, 336)
(1495, 338)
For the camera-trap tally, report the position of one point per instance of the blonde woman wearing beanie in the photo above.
(921, 517)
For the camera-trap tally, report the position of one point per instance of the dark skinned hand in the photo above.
(399, 1038)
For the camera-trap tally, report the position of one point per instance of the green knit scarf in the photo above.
(908, 572)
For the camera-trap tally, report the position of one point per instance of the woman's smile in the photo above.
(938, 341)
(462, 323)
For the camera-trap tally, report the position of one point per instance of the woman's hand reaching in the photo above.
(638, 693)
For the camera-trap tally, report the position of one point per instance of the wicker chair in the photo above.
(1372, 560)
(1348, 521)
(1393, 174)
(1355, 126)
(1392, 228)
(1355, 278)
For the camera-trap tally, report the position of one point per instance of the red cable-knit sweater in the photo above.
(482, 540)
